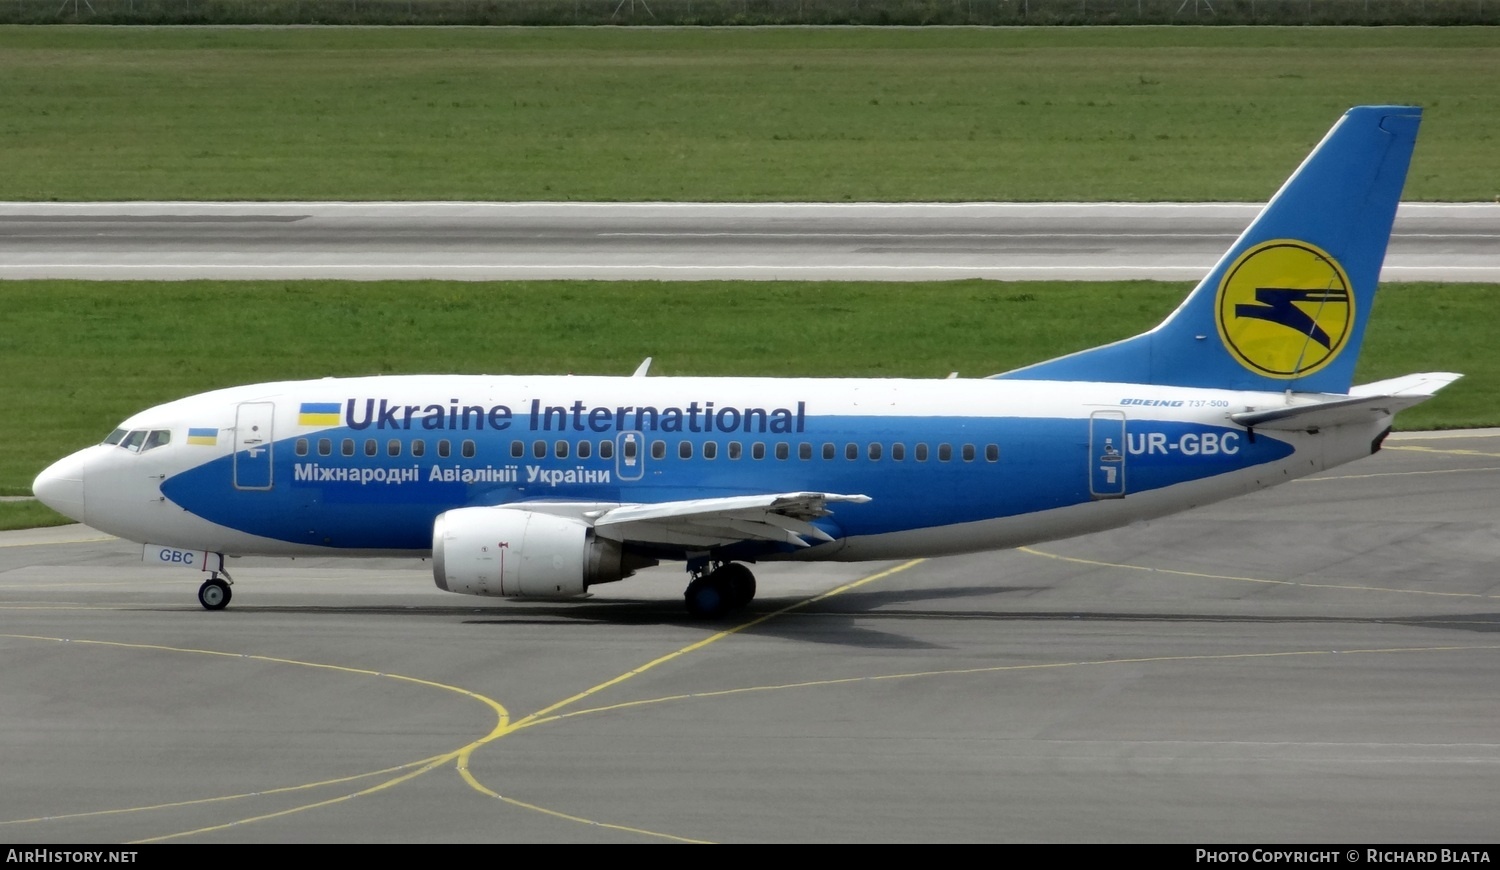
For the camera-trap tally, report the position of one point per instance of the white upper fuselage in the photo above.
(363, 466)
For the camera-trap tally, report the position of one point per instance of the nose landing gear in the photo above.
(214, 594)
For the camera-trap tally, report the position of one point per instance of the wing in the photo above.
(709, 522)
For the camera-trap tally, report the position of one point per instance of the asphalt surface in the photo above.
(685, 241)
(1311, 664)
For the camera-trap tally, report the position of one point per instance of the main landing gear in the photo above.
(718, 589)
(214, 594)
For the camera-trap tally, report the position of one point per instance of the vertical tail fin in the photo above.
(1285, 308)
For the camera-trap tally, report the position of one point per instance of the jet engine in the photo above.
(523, 554)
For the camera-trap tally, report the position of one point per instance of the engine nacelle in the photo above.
(521, 554)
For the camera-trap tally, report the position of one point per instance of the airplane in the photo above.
(545, 487)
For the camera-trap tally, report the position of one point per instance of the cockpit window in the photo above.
(140, 440)
(156, 438)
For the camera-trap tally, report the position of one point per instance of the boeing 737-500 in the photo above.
(536, 486)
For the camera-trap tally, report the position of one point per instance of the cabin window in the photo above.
(585, 449)
(685, 450)
(804, 451)
(758, 450)
(710, 450)
(992, 453)
(560, 449)
(371, 448)
(517, 449)
(607, 449)
(851, 450)
(346, 446)
(829, 451)
(783, 450)
(735, 449)
(418, 447)
(539, 449)
(468, 449)
(444, 448)
(945, 452)
(658, 450)
(968, 452)
(873, 451)
(393, 447)
(325, 447)
(921, 452)
(898, 452)
(301, 446)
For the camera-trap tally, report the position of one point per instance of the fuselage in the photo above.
(363, 466)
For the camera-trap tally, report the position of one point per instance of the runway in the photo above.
(1310, 664)
(684, 241)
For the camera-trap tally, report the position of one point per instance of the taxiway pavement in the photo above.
(1313, 664)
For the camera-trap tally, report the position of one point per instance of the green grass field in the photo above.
(28, 515)
(1109, 113)
(1138, 113)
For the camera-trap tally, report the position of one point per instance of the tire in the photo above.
(706, 598)
(214, 594)
(739, 582)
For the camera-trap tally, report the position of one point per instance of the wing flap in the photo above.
(777, 517)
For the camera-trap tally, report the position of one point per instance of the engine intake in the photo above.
(523, 554)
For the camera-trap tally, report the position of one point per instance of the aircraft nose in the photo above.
(60, 487)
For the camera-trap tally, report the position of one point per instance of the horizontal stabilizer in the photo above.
(1423, 386)
(1381, 398)
(710, 522)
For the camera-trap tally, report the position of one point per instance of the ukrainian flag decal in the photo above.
(318, 414)
(204, 437)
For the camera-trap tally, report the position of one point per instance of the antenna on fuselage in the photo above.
(640, 370)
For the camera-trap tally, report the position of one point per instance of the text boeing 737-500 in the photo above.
(544, 487)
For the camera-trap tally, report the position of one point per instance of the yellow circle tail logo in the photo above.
(1285, 309)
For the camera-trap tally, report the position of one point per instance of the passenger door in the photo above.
(252, 445)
